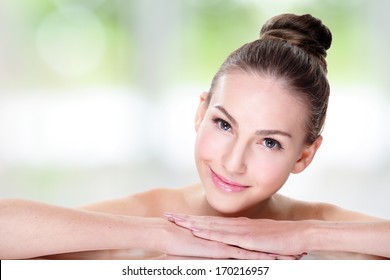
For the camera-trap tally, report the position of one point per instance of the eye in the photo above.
(272, 144)
(224, 125)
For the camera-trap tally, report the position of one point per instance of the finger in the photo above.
(288, 257)
(247, 243)
(206, 222)
(199, 220)
(230, 238)
(285, 257)
(207, 219)
(231, 252)
(250, 255)
(225, 251)
(188, 221)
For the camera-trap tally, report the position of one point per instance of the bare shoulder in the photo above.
(150, 203)
(305, 210)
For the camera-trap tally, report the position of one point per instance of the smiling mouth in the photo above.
(226, 185)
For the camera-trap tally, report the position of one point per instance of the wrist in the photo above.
(317, 235)
(329, 236)
(150, 233)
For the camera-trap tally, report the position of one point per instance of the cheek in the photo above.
(205, 145)
(210, 144)
(271, 171)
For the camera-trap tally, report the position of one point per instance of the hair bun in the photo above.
(305, 32)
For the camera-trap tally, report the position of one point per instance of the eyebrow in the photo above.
(267, 132)
(223, 110)
(262, 132)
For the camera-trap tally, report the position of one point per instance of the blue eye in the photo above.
(225, 126)
(272, 144)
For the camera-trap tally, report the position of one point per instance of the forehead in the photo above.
(262, 99)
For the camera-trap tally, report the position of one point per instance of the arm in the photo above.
(30, 229)
(292, 237)
(368, 237)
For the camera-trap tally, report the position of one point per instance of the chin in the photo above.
(225, 208)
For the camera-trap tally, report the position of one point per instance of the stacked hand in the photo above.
(274, 239)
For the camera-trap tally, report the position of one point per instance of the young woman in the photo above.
(260, 121)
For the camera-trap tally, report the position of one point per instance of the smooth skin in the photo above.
(250, 138)
(233, 143)
(30, 229)
(324, 239)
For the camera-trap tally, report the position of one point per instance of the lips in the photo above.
(226, 185)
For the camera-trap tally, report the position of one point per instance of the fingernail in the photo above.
(173, 218)
(194, 229)
(273, 256)
(170, 214)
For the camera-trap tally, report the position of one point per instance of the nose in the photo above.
(234, 160)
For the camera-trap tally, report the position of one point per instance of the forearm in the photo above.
(371, 238)
(30, 229)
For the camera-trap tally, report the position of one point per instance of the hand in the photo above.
(281, 239)
(180, 241)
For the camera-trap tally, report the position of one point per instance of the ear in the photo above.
(307, 156)
(201, 111)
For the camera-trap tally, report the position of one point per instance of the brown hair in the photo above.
(292, 48)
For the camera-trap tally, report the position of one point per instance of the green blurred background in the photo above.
(97, 97)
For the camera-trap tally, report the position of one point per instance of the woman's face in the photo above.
(249, 139)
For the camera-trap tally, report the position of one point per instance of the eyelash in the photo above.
(220, 122)
(276, 146)
(225, 126)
